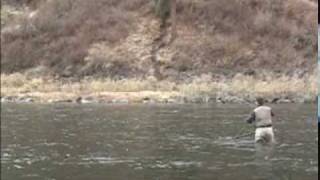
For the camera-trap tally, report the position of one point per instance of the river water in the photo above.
(154, 142)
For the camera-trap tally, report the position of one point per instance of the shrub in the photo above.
(61, 33)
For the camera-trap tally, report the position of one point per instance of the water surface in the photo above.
(157, 142)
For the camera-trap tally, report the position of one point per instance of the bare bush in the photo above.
(257, 34)
(215, 37)
(60, 35)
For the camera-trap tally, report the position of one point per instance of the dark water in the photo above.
(137, 142)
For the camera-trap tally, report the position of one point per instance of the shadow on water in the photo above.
(154, 142)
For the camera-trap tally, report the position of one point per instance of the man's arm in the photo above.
(251, 118)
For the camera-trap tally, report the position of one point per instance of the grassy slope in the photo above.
(232, 34)
(111, 39)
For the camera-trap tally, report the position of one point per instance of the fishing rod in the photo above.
(252, 131)
(243, 135)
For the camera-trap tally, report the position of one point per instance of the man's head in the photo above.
(260, 101)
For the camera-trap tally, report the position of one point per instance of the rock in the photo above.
(9, 99)
(165, 100)
(171, 101)
(89, 100)
(120, 101)
(283, 101)
(102, 100)
(235, 99)
(274, 100)
(197, 100)
(85, 100)
(18, 166)
(148, 100)
(209, 99)
(220, 100)
(79, 100)
(298, 100)
(168, 101)
(226, 98)
(61, 101)
(252, 100)
(24, 99)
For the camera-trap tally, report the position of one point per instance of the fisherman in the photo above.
(262, 116)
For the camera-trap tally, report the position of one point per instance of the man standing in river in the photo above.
(262, 116)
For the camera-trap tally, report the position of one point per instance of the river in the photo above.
(154, 142)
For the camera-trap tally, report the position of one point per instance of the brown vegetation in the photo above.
(61, 33)
(104, 38)
(241, 88)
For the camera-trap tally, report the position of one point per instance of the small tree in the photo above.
(162, 9)
(165, 9)
(173, 14)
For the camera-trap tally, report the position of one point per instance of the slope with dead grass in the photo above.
(272, 44)
(61, 32)
(232, 34)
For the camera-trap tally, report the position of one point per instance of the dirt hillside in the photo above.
(123, 38)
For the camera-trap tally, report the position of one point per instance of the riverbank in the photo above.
(241, 88)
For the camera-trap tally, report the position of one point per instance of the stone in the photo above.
(283, 101)
(85, 100)
(24, 99)
(62, 101)
(120, 101)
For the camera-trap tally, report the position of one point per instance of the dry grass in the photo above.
(240, 85)
(17, 83)
(8, 13)
(281, 85)
(234, 35)
(61, 33)
(275, 33)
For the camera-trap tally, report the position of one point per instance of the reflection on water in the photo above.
(263, 162)
(154, 142)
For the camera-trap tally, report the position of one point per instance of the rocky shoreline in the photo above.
(241, 89)
(133, 98)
